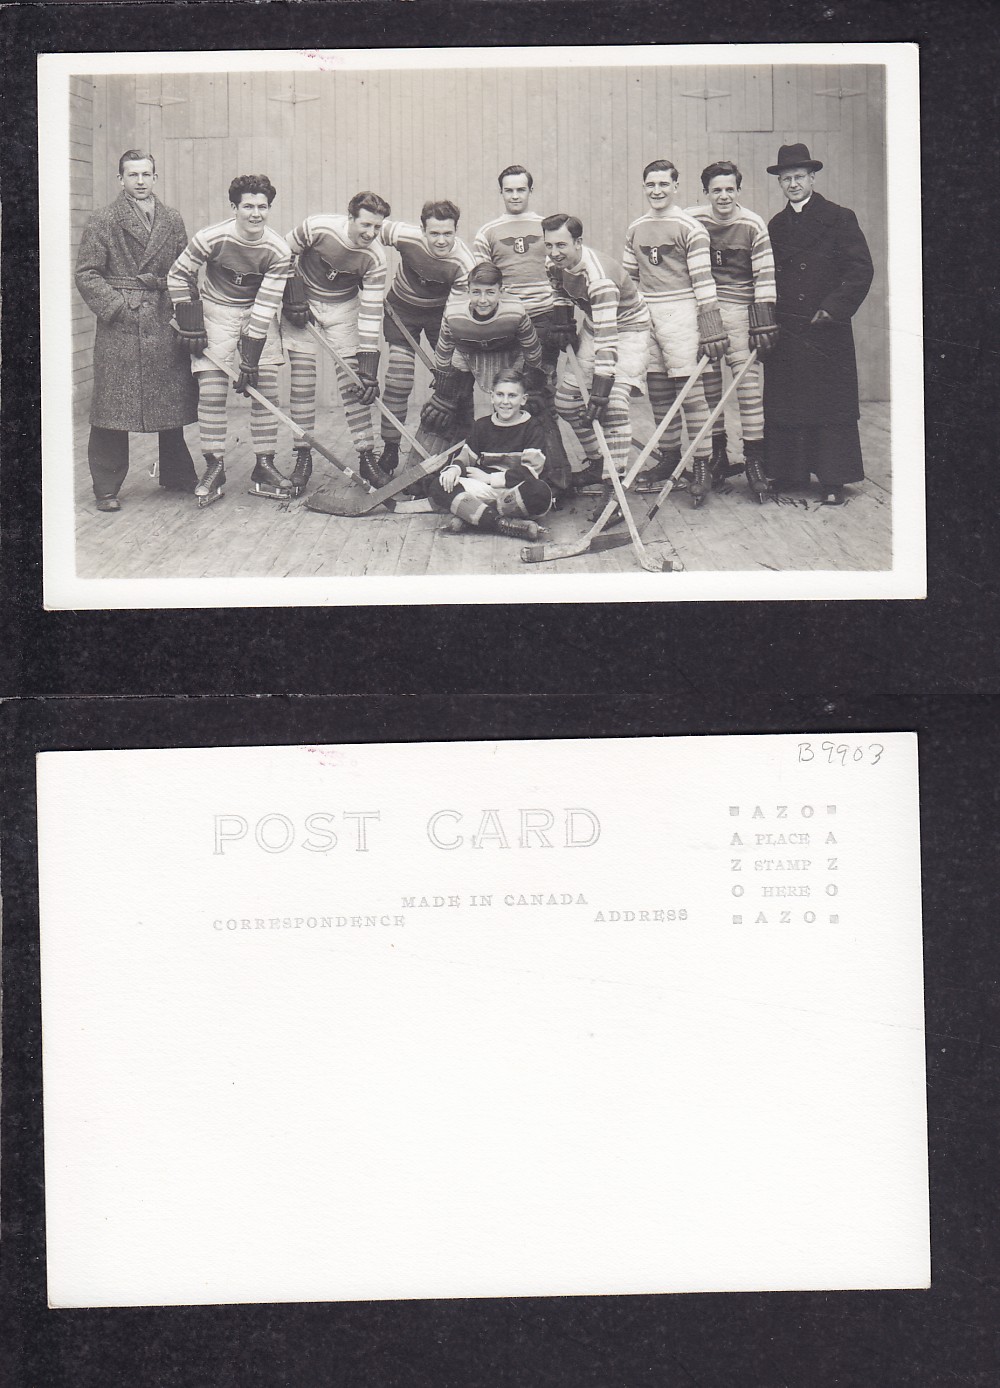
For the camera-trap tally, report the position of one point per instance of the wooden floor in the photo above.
(159, 534)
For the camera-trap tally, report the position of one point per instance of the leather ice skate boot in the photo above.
(753, 455)
(370, 469)
(213, 480)
(266, 480)
(389, 458)
(701, 483)
(655, 476)
(302, 471)
(722, 468)
(517, 528)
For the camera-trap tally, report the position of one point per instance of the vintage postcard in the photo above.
(482, 1019)
(459, 325)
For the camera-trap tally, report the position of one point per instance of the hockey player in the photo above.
(743, 268)
(495, 483)
(433, 262)
(515, 244)
(613, 346)
(481, 334)
(246, 265)
(339, 285)
(667, 255)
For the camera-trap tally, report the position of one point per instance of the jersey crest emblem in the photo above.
(656, 254)
(237, 277)
(520, 245)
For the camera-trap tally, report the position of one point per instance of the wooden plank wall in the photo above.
(81, 201)
(584, 133)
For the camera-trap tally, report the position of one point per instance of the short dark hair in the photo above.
(370, 202)
(514, 169)
(485, 273)
(511, 374)
(660, 166)
(722, 168)
(251, 183)
(132, 154)
(442, 210)
(563, 219)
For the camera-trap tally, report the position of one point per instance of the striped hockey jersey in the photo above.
(506, 330)
(669, 258)
(238, 273)
(608, 297)
(516, 246)
(333, 270)
(742, 260)
(423, 279)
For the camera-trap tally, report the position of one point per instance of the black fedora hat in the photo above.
(794, 157)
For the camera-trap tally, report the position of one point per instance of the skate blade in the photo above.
(269, 495)
(210, 498)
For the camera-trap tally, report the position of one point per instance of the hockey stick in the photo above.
(297, 430)
(652, 565)
(348, 501)
(534, 554)
(355, 379)
(613, 541)
(410, 339)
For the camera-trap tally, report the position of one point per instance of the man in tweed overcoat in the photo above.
(142, 372)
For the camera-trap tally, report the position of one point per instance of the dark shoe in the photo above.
(389, 459)
(302, 471)
(831, 496)
(591, 476)
(662, 470)
(701, 483)
(108, 503)
(753, 452)
(370, 469)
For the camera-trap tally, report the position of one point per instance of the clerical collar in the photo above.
(798, 206)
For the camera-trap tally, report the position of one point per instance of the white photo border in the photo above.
(905, 579)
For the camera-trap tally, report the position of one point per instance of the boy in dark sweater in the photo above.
(495, 483)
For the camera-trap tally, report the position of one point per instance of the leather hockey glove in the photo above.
(439, 412)
(368, 371)
(250, 350)
(763, 328)
(562, 327)
(295, 302)
(190, 319)
(600, 393)
(714, 341)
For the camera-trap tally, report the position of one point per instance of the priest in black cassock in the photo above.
(824, 271)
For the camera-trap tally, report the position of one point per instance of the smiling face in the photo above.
(439, 233)
(722, 194)
(508, 400)
(515, 193)
(363, 229)
(137, 178)
(563, 250)
(483, 299)
(251, 214)
(660, 187)
(796, 184)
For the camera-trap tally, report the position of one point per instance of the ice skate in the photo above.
(518, 529)
(701, 484)
(302, 471)
(652, 479)
(722, 468)
(389, 457)
(267, 481)
(370, 469)
(213, 481)
(753, 450)
(591, 476)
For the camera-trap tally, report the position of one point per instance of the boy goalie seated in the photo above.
(494, 483)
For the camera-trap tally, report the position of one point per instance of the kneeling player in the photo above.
(495, 482)
(246, 265)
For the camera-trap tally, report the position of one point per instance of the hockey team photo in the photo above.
(504, 325)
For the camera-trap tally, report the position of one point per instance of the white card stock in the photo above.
(482, 1019)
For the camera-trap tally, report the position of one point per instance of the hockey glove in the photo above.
(763, 328)
(250, 350)
(600, 392)
(439, 412)
(190, 319)
(714, 341)
(562, 327)
(295, 302)
(368, 371)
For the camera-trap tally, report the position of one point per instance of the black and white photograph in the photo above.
(497, 325)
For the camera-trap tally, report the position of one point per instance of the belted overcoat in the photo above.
(821, 260)
(142, 372)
